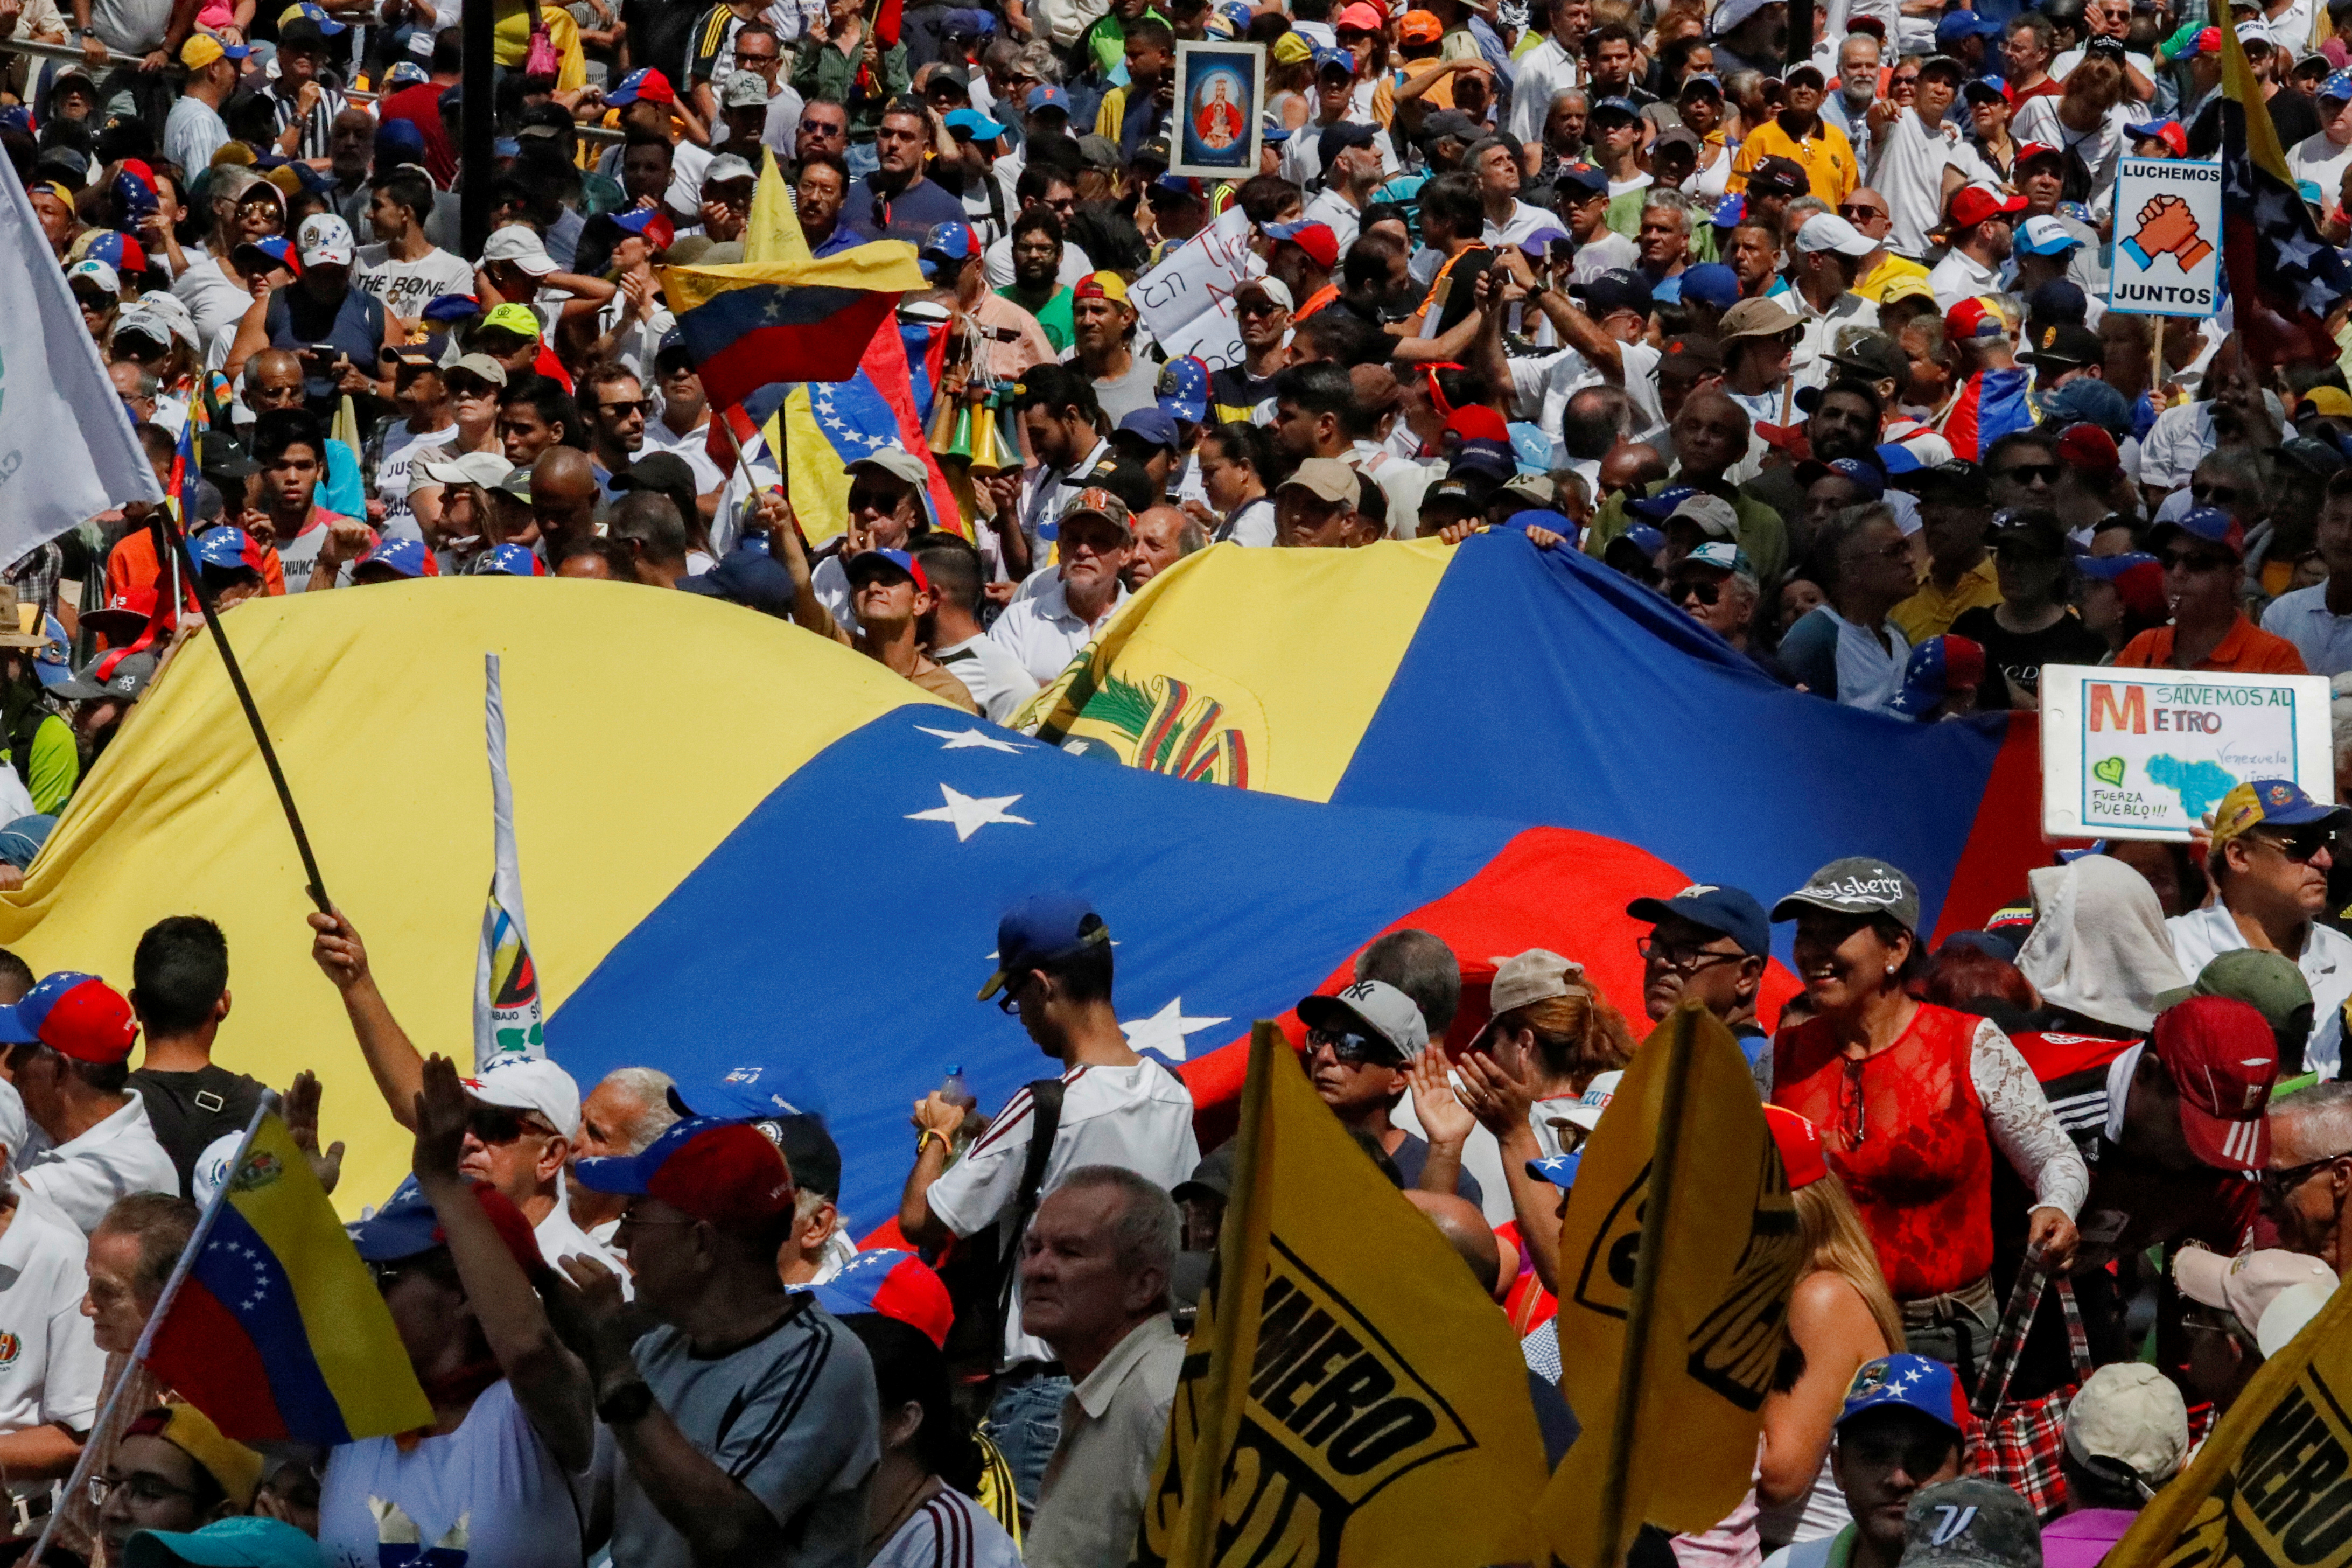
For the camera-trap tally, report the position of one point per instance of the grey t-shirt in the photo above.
(793, 1416)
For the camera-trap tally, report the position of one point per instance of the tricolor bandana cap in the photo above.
(648, 84)
(1183, 389)
(407, 557)
(1976, 320)
(117, 250)
(74, 1015)
(649, 223)
(230, 548)
(511, 560)
(2272, 803)
(1912, 1381)
(725, 1173)
(1101, 286)
(894, 1284)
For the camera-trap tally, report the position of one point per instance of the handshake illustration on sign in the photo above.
(2167, 228)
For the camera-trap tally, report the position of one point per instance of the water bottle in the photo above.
(955, 1091)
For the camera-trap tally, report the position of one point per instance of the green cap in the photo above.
(2268, 982)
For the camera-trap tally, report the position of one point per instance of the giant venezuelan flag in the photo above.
(804, 863)
(277, 1332)
(756, 323)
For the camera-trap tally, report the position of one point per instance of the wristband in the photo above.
(926, 1138)
(626, 1404)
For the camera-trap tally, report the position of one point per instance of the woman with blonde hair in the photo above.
(2088, 125)
(1840, 1315)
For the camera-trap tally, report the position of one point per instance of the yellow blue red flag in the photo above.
(753, 324)
(2284, 277)
(277, 1332)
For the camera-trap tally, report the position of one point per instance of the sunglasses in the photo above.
(495, 1124)
(2194, 560)
(2030, 473)
(1856, 214)
(641, 405)
(1691, 588)
(2299, 846)
(822, 128)
(2222, 495)
(873, 500)
(2276, 1184)
(1350, 1049)
(1257, 305)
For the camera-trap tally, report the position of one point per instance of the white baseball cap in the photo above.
(531, 1083)
(2130, 1412)
(1827, 231)
(97, 272)
(520, 245)
(1273, 289)
(325, 240)
(1586, 1111)
(1372, 1007)
(483, 468)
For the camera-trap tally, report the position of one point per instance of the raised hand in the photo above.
(301, 1109)
(440, 1123)
(1443, 1115)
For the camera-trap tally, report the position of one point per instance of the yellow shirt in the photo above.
(511, 41)
(1826, 155)
(1872, 285)
(1930, 612)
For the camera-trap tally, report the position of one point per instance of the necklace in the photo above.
(924, 1487)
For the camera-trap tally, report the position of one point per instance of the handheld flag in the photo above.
(828, 426)
(507, 1020)
(773, 231)
(2285, 278)
(67, 448)
(2268, 1485)
(277, 1331)
(1677, 1258)
(748, 324)
(1348, 1384)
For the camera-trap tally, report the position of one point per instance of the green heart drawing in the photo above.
(2108, 771)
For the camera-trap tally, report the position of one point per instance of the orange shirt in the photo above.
(1316, 301)
(131, 563)
(2246, 650)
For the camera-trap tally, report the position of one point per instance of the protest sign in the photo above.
(1339, 1392)
(1188, 300)
(1219, 85)
(2147, 754)
(2168, 254)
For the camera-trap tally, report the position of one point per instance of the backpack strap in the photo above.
(1045, 1124)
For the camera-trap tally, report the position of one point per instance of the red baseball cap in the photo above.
(2223, 1060)
(1973, 318)
(74, 1015)
(896, 1285)
(728, 1172)
(1315, 238)
(1801, 1146)
(2085, 446)
(1974, 204)
(1477, 423)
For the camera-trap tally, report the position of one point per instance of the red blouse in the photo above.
(1906, 1132)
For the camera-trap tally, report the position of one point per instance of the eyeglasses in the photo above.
(1898, 551)
(1350, 1049)
(2277, 1184)
(142, 1486)
(642, 405)
(1902, 79)
(2194, 560)
(2030, 473)
(632, 1220)
(1256, 305)
(1009, 998)
(1856, 212)
(753, 62)
(1692, 588)
(1680, 957)
(2219, 495)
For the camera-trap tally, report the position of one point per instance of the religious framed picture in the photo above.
(1220, 86)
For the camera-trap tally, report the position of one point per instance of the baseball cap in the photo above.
(2045, 235)
(227, 548)
(1589, 178)
(1658, 508)
(1607, 294)
(516, 320)
(1856, 885)
(723, 1172)
(1315, 238)
(1910, 1381)
(1910, 285)
(1272, 288)
(1718, 554)
(1935, 669)
(517, 561)
(1975, 318)
(809, 1150)
(1713, 514)
(895, 461)
(2131, 1413)
(1585, 1112)
(1101, 286)
(1338, 139)
(2209, 525)
(2039, 530)
(2249, 1285)
(1420, 28)
(406, 1226)
(648, 84)
(2338, 86)
(1360, 17)
(1799, 1142)
(245, 1541)
(1827, 231)
(2090, 448)
(1772, 175)
(484, 468)
(235, 1468)
(2333, 402)
(115, 674)
(1756, 319)
(742, 89)
(895, 1284)
(1182, 388)
(1040, 930)
(2066, 344)
(1715, 284)
(871, 563)
(1958, 26)
(401, 73)
(1865, 476)
(202, 50)
(74, 1015)
(1559, 1170)
(1045, 95)
(325, 239)
(1974, 204)
(2222, 1060)
(1970, 1524)
(2169, 131)
(745, 1092)
(1374, 1010)
(1989, 90)
(973, 124)
(948, 244)
(1728, 911)
(1325, 478)
(401, 558)
(746, 575)
(2267, 982)
(1153, 426)
(519, 244)
(518, 1082)
(1538, 974)
(97, 273)
(2087, 401)
(1094, 501)
(649, 223)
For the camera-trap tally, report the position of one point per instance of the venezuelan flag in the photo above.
(2285, 278)
(1397, 772)
(277, 1331)
(753, 324)
(826, 426)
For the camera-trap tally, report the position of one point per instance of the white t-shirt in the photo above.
(492, 1472)
(193, 132)
(405, 287)
(1529, 225)
(2323, 162)
(1138, 1118)
(56, 1370)
(114, 1158)
(559, 1237)
(1908, 171)
(402, 448)
(214, 300)
(991, 673)
(2101, 150)
(949, 1531)
(1543, 73)
(2064, 66)
(1542, 384)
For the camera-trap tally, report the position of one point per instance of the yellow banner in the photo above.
(2273, 1484)
(1364, 1404)
(1681, 1452)
(773, 232)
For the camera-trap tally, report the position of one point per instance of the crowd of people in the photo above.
(1810, 337)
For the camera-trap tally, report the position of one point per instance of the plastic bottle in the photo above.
(955, 1091)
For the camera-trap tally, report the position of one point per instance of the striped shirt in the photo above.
(318, 126)
(950, 1531)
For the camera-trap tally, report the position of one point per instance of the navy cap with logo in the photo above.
(1040, 930)
(1584, 179)
(1728, 911)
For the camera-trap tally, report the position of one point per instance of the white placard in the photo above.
(2147, 753)
(2167, 250)
(1201, 273)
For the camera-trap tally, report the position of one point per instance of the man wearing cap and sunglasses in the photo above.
(1055, 964)
(68, 1051)
(1363, 1043)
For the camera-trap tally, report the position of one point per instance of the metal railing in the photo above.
(72, 54)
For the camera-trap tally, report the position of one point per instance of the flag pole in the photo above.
(317, 887)
(180, 1271)
(1639, 1311)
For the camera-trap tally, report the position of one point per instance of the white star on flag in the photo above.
(968, 740)
(969, 813)
(1163, 1032)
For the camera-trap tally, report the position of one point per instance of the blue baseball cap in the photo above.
(1991, 89)
(244, 1542)
(2338, 86)
(951, 243)
(1276, 131)
(1559, 1170)
(1866, 475)
(1590, 178)
(1957, 25)
(894, 1284)
(1734, 912)
(1935, 667)
(1042, 929)
(637, 220)
(1183, 389)
(317, 13)
(74, 1015)
(866, 564)
(1706, 80)
(1045, 96)
(404, 1226)
(21, 840)
(1153, 425)
(720, 1172)
(648, 83)
(970, 24)
(974, 124)
(2209, 523)
(405, 557)
(2087, 400)
(446, 308)
(517, 561)
(1661, 506)
(1897, 459)
(1616, 105)
(52, 664)
(1911, 1381)
(2271, 803)
(1727, 214)
(2107, 568)
(1327, 59)
(1711, 283)
(1643, 538)
(403, 73)
(742, 1093)
(747, 575)
(229, 548)
(1531, 449)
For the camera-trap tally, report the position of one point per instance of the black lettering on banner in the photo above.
(1735, 1348)
(1604, 1281)
(2288, 1501)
